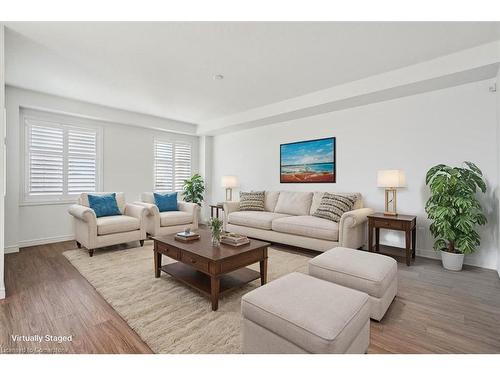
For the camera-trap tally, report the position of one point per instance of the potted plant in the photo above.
(193, 189)
(455, 211)
(215, 225)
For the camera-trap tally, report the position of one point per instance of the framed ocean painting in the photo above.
(308, 161)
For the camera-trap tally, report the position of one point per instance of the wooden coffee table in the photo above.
(211, 270)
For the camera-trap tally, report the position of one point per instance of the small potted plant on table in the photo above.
(455, 211)
(215, 225)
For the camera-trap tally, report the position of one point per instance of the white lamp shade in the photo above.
(229, 182)
(391, 178)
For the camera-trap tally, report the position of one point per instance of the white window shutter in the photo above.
(182, 164)
(45, 160)
(62, 160)
(172, 165)
(82, 163)
(164, 166)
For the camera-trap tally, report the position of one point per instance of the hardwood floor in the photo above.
(436, 311)
(46, 295)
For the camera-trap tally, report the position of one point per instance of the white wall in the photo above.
(498, 165)
(127, 165)
(411, 133)
(2, 169)
(206, 165)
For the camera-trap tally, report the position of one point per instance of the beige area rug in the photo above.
(168, 315)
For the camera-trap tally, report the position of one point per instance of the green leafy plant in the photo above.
(215, 225)
(193, 189)
(454, 208)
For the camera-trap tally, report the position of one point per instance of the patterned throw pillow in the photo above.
(252, 201)
(333, 206)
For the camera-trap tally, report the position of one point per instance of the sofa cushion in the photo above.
(170, 218)
(293, 203)
(316, 315)
(319, 194)
(270, 200)
(307, 226)
(252, 201)
(333, 206)
(116, 224)
(369, 272)
(254, 219)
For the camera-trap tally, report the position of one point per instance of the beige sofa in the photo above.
(288, 219)
(162, 223)
(95, 232)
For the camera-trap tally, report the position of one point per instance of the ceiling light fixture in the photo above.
(218, 77)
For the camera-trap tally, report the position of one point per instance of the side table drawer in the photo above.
(195, 261)
(389, 224)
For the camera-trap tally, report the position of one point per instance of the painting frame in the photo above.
(311, 141)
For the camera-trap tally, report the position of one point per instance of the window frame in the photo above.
(65, 122)
(173, 142)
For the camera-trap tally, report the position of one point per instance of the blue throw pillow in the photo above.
(104, 205)
(166, 202)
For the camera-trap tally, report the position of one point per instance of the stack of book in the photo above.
(187, 236)
(234, 239)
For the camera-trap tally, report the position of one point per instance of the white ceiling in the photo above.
(166, 69)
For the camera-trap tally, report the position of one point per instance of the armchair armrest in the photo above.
(83, 213)
(134, 210)
(190, 208)
(187, 206)
(229, 206)
(152, 209)
(352, 232)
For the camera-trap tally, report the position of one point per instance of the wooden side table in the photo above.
(216, 208)
(405, 223)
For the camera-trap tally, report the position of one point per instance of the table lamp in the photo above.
(391, 179)
(229, 182)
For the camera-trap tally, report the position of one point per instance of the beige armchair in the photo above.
(93, 232)
(161, 223)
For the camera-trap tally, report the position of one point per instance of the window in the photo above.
(61, 159)
(172, 165)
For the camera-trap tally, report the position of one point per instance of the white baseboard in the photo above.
(471, 262)
(11, 249)
(46, 240)
(428, 254)
(2, 292)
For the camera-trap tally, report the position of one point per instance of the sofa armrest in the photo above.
(192, 209)
(83, 213)
(352, 228)
(228, 207)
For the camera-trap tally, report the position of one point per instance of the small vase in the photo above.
(215, 240)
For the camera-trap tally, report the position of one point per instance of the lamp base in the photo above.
(229, 194)
(390, 202)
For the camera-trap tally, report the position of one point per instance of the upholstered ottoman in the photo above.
(298, 313)
(371, 273)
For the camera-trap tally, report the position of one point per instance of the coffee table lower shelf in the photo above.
(202, 282)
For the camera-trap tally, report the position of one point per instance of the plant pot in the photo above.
(452, 261)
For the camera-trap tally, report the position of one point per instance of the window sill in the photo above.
(47, 203)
